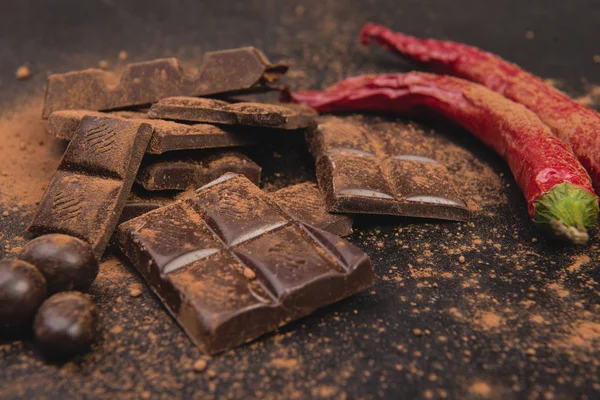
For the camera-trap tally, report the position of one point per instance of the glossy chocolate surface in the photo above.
(231, 265)
(382, 169)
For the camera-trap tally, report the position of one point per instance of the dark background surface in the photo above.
(366, 346)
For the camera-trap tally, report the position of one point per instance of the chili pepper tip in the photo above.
(566, 211)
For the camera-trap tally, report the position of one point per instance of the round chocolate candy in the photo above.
(67, 263)
(66, 324)
(22, 290)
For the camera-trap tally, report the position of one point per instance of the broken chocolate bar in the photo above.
(88, 191)
(220, 112)
(302, 201)
(381, 170)
(305, 202)
(175, 172)
(230, 265)
(225, 71)
(167, 136)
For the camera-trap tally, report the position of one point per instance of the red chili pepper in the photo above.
(574, 124)
(558, 190)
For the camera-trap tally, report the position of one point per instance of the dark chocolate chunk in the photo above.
(141, 201)
(225, 71)
(305, 203)
(87, 193)
(66, 324)
(22, 290)
(231, 265)
(176, 173)
(381, 170)
(220, 112)
(167, 136)
(68, 263)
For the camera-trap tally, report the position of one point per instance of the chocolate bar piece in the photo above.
(230, 265)
(88, 191)
(221, 112)
(225, 71)
(305, 203)
(168, 135)
(381, 169)
(302, 201)
(181, 173)
(140, 202)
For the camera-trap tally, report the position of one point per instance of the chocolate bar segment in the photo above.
(87, 193)
(230, 265)
(167, 136)
(303, 201)
(181, 173)
(220, 112)
(381, 169)
(225, 71)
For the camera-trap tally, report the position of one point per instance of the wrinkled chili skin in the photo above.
(538, 160)
(573, 123)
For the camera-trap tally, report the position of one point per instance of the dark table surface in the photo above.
(518, 319)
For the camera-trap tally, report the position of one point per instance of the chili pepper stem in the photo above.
(567, 211)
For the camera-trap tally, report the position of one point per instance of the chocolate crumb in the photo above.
(135, 290)
(211, 373)
(23, 72)
(249, 274)
(200, 365)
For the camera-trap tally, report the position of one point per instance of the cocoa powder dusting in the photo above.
(510, 314)
(29, 155)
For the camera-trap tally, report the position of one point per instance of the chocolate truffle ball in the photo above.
(66, 324)
(22, 290)
(68, 263)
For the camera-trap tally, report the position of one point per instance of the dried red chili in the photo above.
(558, 190)
(573, 123)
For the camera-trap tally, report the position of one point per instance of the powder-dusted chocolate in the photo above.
(175, 172)
(305, 203)
(302, 201)
(167, 136)
(221, 112)
(382, 169)
(194, 254)
(88, 191)
(66, 324)
(68, 263)
(225, 71)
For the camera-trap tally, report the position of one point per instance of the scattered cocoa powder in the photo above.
(25, 170)
(23, 72)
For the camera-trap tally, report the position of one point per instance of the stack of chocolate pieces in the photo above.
(229, 261)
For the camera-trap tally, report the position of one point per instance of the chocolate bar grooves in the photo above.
(90, 187)
(236, 70)
(381, 170)
(269, 268)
